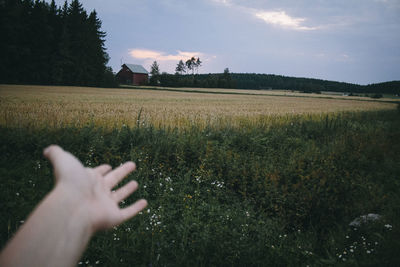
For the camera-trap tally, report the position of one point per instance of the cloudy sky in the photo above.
(354, 41)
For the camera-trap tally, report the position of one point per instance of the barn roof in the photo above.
(136, 68)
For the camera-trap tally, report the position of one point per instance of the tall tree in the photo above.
(180, 68)
(191, 64)
(41, 43)
(154, 73)
(198, 64)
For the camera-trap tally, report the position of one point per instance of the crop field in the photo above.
(44, 106)
(231, 179)
(270, 92)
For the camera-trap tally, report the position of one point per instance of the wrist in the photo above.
(74, 208)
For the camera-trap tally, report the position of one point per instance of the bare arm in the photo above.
(82, 202)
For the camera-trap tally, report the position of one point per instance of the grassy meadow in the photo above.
(231, 179)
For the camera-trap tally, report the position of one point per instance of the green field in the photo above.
(247, 187)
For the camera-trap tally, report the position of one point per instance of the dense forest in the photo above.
(270, 81)
(42, 43)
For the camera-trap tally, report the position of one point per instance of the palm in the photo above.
(92, 188)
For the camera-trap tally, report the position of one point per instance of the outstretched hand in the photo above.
(91, 189)
(82, 202)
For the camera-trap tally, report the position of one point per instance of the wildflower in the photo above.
(97, 262)
(17, 194)
(388, 226)
(347, 236)
(351, 250)
(368, 251)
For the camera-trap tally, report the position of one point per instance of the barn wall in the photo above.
(125, 76)
(140, 79)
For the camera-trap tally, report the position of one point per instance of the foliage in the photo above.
(377, 96)
(193, 64)
(276, 194)
(270, 81)
(180, 67)
(154, 73)
(44, 44)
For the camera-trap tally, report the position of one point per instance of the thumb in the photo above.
(54, 154)
(61, 160)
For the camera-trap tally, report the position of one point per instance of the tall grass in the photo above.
(272, 192)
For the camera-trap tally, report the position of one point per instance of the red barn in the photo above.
(133, 74)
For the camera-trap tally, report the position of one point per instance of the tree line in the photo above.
(183, 78)
(42, 43)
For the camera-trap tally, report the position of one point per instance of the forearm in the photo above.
(59, 226)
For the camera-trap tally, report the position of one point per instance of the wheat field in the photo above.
(60, 106)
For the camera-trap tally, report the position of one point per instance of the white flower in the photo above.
(368, 251)
(388, 226)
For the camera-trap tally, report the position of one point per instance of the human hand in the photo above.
(90, 189)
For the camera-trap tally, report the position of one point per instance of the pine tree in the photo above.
(155, 74)
(43, 44)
